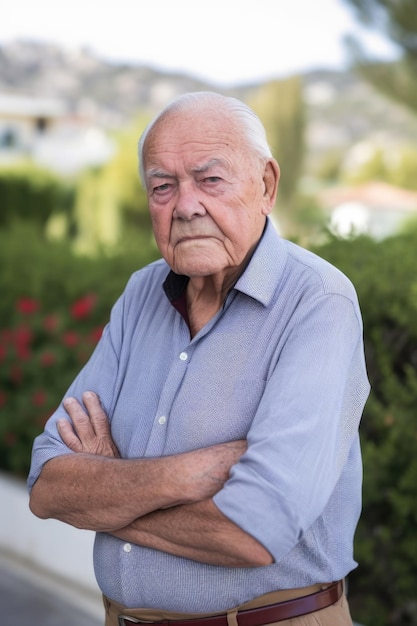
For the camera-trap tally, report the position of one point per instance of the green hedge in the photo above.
(28, 192)
(382, 590)
(53, 307)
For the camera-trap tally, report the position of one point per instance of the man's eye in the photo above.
(161, 188)
(212, 179)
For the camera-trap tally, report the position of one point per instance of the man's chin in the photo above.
(200, 259)
(197, 270)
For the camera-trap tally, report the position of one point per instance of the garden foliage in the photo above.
(40, 353)
(382, 590)
(53, 307)
(29, 192)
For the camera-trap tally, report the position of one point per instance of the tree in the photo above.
(280, 105)
(111, 206)
(396, 20)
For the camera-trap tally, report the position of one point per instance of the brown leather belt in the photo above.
(262, 615)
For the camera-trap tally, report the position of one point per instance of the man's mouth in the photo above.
(193, 238)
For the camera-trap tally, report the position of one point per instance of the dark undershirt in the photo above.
(175, 287)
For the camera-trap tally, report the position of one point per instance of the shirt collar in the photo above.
(261, 276)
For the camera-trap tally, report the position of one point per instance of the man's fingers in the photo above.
(80, 419)
(90, 431)
(68, 436)
(98, 417)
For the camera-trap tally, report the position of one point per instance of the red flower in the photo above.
(70, 338)
(23, 351)
(39, 398)
(50, 322)
(47, 359)
(27, 306)
(83, 307)
(23, 336)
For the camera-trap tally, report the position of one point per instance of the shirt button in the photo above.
(183, 356)
(127, 547)
(162, 419)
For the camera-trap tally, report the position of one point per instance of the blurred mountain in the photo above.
(342, 109)
(90, 86)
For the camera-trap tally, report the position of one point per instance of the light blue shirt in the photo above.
(282, 365)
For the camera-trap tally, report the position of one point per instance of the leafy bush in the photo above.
(50, 272)
(382, 589)
(52, 308)
(40, 353)
(29, 192)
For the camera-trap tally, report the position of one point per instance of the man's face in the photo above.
(206, 193)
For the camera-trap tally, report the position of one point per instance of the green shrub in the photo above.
(29, 192)
(52, 308)
(50, 272)
(382, 589)
(40, 353)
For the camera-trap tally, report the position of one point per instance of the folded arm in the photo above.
(197, 531)
(162, 503)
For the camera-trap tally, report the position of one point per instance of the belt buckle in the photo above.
(125, 619)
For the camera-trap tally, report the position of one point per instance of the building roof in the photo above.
(378, 196)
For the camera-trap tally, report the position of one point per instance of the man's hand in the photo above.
(205, 470)
(90, 430)
(98, 490)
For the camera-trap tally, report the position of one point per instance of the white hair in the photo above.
(252, 127)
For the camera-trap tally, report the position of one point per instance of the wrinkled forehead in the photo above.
(195, 116)
(197, 134)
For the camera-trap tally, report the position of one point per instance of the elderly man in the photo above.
(212, 438)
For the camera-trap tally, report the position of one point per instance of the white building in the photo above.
(43, 130)
(375, 208)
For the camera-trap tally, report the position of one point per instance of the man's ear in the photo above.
(271, 180)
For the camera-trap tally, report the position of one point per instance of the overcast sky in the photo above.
(224, 41)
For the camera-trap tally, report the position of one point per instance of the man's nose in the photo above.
(188, 202)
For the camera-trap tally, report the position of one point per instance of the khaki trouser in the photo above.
(335, 615)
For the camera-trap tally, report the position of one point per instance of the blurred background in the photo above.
(335, 83)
